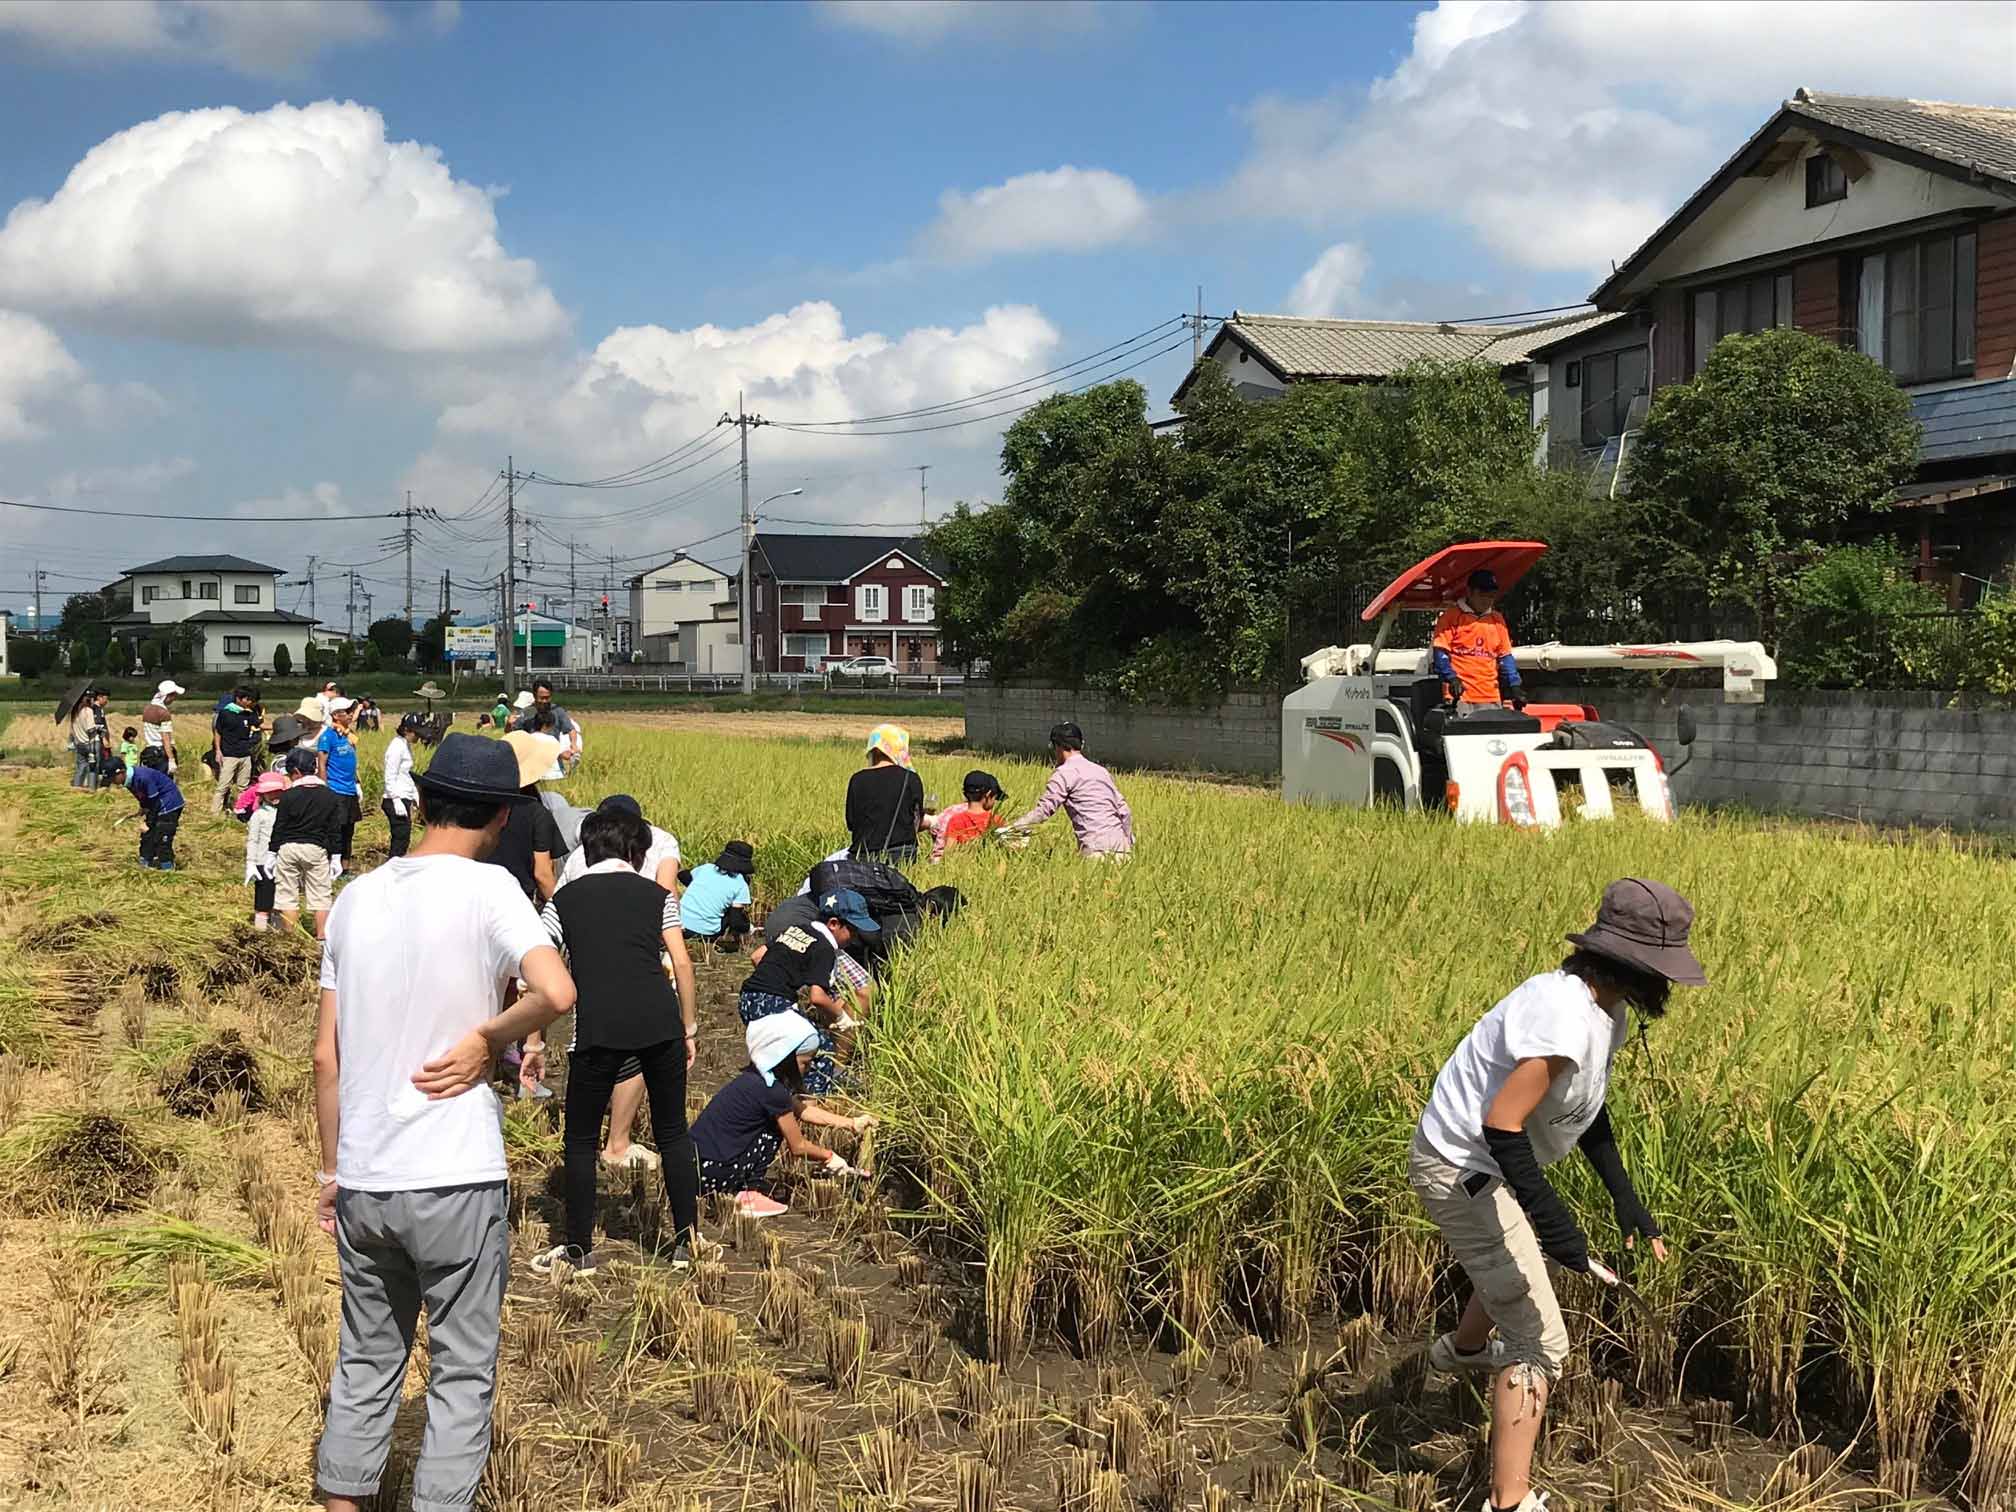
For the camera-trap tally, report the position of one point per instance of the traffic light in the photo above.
(605, 603)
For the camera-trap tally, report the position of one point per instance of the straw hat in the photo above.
(537, 756)
(310, 709)
(428, 690)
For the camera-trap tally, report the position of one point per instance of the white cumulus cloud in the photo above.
(1561, 135)
(1062, 210)
(1333, 284)
(923, 22)
(36, 371)
(251, 36)
(300, 227)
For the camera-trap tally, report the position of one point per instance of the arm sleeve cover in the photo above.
(1508, 670)
(1444, 668)
(1599, 1143)
(1561, 1240)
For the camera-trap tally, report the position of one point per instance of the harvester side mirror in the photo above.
(1684, 734)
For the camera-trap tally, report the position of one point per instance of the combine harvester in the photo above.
(1371, 724)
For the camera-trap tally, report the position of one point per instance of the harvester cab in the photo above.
(1371, 724)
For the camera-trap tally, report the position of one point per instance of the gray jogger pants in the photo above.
(448, 1248)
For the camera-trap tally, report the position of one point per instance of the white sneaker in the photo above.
(1532, 1501)
(580, 1262)
(1444, 1358)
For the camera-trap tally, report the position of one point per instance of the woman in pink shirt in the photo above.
(1086, 792)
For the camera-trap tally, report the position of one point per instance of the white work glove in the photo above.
(266, 871)
(171, 766)
(845, 1022)
(836, 1165)
(864, 1122)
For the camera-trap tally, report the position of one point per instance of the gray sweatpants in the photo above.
(450, 1248)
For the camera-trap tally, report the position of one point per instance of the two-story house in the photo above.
(1888, 225)
(681, 590)
(226, 608)
(824, 598)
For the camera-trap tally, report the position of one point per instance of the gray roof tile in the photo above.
(1978, 137)
(1303, 347)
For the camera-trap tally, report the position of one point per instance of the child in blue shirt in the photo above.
(715, 904)
(161, 803)
(336, 746)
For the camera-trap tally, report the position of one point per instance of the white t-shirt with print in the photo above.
(1550, 1014)
(663, 848)
(419, 953)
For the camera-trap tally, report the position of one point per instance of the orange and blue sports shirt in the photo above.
(1475, 650)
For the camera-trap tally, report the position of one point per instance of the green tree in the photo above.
(346, 656)
(314, 659)
(429, 645)
(283, 660)
(1780, 440)
(80, 657)
(393, 636)
(82, 610)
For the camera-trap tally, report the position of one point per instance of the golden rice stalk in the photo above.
(710, 1281)
(1414, 1492)
(909, 1411)
(1266, 1482)
(1354, 1343)
(781, 1303)
(1988, 1401)
(1215, 1498)
(978, 1486)
(920, 1350)
(712, 1387)
(1305, 1494)
(1006, 1432)
(507, 1474)
(797, 1486)
(717, 1338)
(885, 1464)
(977, 1384)
(845, 1344)
(538, 1337)
(1125, 1431)
(1242, 1359)
(1606, 1427)
(1713, 1421)
(617, 1457)
(571, 1369)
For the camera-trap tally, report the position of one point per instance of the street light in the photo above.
(748, 585)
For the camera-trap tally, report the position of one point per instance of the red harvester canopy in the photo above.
(1438, 581)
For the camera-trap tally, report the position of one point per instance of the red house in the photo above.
(824, 598)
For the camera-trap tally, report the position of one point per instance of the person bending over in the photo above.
(1529, 1084)
(801, 959)
(160, 808)
(1085, 790)
(715, 905)
(761, 1114)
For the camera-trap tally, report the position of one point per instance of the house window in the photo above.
(1914, 307)
(1610, 381)
(238, 645)
(1574, 379)
(1826, 181)
(871, 601)
(207, 591)
(185, 588)
(917, 605)
(811, 647)
(149, 594)
(245, 593)
(668, 587)
(1752, 304)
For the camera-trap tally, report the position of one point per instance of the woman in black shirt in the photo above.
(885, 800)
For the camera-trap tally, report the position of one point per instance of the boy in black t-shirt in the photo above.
(612, 923)
(758, 1114)
(801, 959)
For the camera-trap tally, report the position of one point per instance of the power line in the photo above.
(129, 514)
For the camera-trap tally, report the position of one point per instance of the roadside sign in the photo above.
(469, 642)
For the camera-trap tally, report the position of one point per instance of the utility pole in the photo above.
(745, 421)
(510, 578)
(40, 578)
(407, 534)
(923, 493)
(350, 605)
(1197, 330)
(311, 595)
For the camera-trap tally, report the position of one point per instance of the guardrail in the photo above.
(731, 682)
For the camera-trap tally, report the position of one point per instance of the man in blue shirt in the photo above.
(161, 803)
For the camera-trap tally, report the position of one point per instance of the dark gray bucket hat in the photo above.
(1645, 924)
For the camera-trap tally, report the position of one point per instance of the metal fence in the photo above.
(731, 682)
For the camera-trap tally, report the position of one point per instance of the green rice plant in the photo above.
(139, 1254)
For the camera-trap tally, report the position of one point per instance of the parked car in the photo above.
(865, 670)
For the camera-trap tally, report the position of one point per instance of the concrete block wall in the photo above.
(1893, 758)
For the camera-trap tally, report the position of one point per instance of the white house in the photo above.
(665, 596)
(228, 607)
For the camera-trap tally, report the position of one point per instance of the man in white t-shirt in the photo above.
(661, 865)
(419, 955)
(1528, 1085)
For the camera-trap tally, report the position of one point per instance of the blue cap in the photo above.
(850, 908)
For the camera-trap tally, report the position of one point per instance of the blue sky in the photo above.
(385, 245)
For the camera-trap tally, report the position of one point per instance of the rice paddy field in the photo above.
(1139, 1234)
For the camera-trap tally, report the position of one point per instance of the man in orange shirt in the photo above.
(1473, 649)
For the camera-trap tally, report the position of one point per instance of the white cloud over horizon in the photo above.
(1065, 209)
(215, 227)
(1334, 284)
(927, 22)
(263, 38)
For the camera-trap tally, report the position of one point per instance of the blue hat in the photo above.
(468, 766)
(850, 908)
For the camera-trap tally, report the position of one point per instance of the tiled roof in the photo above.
(204, 564)
(1523, 345)
(1302, 347)
(1981, 138)
(247, 617)
(1978, 420)
(834, 558)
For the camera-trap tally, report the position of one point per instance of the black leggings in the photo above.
(402, 825)
(591, 1078)
(346, 835)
